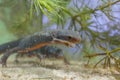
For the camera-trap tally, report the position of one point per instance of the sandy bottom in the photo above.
(55, 70)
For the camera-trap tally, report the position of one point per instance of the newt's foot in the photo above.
(3, 63)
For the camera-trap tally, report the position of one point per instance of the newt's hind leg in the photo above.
(6, 55)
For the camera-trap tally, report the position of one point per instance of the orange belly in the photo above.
(35, 47)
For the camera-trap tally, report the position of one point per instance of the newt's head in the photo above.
(66, 37)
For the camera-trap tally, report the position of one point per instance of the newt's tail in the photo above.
(8, 46)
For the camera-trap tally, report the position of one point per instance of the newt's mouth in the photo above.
(64, 42)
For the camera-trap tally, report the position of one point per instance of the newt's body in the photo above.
(38, 40)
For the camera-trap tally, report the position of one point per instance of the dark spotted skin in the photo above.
(45, 52)
(9, 45)
(38, 40)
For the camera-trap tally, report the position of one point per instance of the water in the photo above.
(5, 35)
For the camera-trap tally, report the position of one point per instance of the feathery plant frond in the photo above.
(108, 58)
(50, 8)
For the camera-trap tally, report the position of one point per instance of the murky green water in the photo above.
(5, 36)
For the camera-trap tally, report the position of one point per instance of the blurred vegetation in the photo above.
(97, 21)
